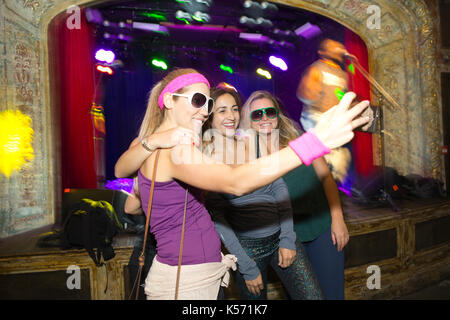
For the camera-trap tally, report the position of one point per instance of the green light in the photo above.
(184, 20)
(197, 18)
(351, 68)
(159, 64)
(339, 93)
(154, 15)
(226, 68)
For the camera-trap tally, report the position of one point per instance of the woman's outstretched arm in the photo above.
(192, 167)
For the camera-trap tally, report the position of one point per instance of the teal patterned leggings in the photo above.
(298, 279)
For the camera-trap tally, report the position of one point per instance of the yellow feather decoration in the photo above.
(16, 136)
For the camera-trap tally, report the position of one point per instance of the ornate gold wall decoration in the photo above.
(402, 57)
(31, 4)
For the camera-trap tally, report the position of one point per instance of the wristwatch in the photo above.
(146, 146)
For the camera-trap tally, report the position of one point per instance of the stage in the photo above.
(411, 247)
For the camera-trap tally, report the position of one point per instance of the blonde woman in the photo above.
(318, 217)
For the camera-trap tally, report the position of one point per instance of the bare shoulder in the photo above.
(163, 165)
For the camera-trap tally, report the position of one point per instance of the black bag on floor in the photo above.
(91, 225)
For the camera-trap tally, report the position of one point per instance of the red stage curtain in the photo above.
(72, 68)
(362, 143)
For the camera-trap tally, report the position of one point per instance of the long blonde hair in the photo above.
(288, 129)
(154, 115)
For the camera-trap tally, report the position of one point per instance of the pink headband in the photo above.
(181, 82)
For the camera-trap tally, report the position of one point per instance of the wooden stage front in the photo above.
(411, 247)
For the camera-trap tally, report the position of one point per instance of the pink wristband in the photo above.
(308, 147)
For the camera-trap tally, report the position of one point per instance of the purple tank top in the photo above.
(201, 241)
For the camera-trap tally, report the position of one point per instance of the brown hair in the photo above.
(154, 115)
(208, 139)
(215, 94)
(288, 129)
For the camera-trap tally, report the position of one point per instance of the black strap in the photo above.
(87, 239)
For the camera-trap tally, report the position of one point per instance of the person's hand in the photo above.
(256, 285)
(286, 257)
(335, 126)
(339, 233)
(172, 137)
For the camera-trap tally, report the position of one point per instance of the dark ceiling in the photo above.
(224, 16)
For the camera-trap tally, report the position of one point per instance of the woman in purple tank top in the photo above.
(181, 100)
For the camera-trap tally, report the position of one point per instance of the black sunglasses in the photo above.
(258, 114)
(198, 100)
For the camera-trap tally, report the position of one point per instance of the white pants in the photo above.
(197, 282)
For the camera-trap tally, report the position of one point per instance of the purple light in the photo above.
(94, 16)
(347, 192)
(105, 55)
(278, 62)
(120, 184)
(255, 37)
(308, 31)
(150, 27)
(123, 37)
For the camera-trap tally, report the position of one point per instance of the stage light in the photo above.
(252, 5)
(201, 16)
(123, 37)
(204, 2)
(247, 21)
(151, 27)
(255, 37)
(124, 25)
(159, 64)
(264, 22)
(226, 68)
(105, 55)
(104, 69)
(308, 31)
(94, 16)
(264, 73)
(284, 33)
(183, 16)
(255, 22)
(154, 15)
(278, 62)
(267, 5)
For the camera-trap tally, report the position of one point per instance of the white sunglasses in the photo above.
(198, 100)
